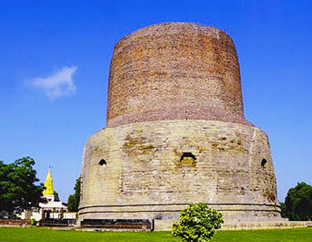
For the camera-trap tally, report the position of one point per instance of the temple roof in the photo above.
(49, 190)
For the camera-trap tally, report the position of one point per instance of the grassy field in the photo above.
(47, 235)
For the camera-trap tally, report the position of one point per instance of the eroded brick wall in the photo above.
(177, 133)
(175, 71)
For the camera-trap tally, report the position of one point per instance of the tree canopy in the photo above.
(298, 203)
(74, 199)
(197, 223)
(18, 188)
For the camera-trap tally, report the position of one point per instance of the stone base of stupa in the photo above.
(153, 170)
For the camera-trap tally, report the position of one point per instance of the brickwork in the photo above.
(176, 133)
(175, 71)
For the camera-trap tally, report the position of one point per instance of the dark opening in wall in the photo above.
(187, 155)
(102, 162)
(188, 160)
(264, 163)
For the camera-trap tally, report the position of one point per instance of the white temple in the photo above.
(50, 208)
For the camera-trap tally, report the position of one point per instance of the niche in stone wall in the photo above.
(102, 162)
(188, 159)
(264, 163)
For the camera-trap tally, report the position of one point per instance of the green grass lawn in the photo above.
(47, 235)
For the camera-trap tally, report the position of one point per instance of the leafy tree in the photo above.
(283, 210)
(56, 196)
(18, 190)
(298, 203)
(197, 223)
(74, 199)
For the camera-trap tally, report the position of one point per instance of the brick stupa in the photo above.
(176, 133)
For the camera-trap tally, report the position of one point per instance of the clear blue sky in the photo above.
(54, 62)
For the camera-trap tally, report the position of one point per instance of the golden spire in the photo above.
(49, 190)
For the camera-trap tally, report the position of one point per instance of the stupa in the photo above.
(176, 133)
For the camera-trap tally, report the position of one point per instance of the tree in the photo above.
(56, 196)
(18, 189)
(74, 199)
(283, 210)
(298, 203)
(198, 222)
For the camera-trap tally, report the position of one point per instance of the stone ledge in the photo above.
(161, 225)
(266, 225)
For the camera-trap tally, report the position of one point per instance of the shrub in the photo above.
(32, 222)
(197, 223)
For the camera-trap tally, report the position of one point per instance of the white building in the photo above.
(51, 208)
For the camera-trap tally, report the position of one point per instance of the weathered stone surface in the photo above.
(177, 133)
(147, 175)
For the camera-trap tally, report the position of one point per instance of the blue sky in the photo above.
(54, 65)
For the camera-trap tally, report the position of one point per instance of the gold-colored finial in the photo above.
(49, 190)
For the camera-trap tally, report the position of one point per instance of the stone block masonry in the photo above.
(176, 133)
(152, 170)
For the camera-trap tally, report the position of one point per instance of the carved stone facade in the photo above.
(176, 133)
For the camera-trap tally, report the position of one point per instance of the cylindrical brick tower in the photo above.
(176, 133)
(175, 72)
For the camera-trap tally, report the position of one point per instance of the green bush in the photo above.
(197, 223)
(32, 222)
